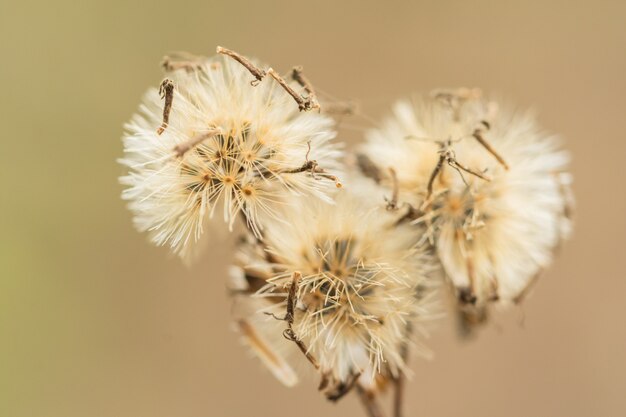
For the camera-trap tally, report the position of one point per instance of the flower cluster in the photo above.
(344, 280)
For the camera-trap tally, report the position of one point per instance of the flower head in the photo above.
(348, 284)
(220, 144)
(490, 186)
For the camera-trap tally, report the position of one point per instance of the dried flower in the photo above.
(218, 140)
(346, 286)
(489, 185)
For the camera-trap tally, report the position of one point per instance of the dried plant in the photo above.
(345, 279)
(218, 140)
(347, 286)
(490, 186)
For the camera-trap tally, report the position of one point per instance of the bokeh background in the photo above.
(94, 321)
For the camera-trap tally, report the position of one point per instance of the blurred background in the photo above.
(95, 321)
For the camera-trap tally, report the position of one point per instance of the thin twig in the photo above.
(433, 175)
(411, 214)
(290, 335)
(456, 164)
(343, 389)
(292, 298)
(289, 318)
(369, 401)
(398, 395)
(304, 103)
(312, 167)
(399, 382)
(307, 166)
(298, 76)
(166, 90)
(256, 72)
(368, 167)
(182, 148)
(529, 285)
(447, 155)
(324, 381)
(478, 135)
(392, 204)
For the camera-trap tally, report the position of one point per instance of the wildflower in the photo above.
(216, 142)
(343, 285)
(491, 187)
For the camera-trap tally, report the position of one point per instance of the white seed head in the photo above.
(362, 283)
(494, 234)
(228, 146)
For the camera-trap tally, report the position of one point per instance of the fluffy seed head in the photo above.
(228, 146)
(494, 234)
(361, 285)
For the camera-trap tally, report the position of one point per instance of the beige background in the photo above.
(96, 322)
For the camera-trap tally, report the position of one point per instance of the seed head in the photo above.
(220, 144)
(499, 204)
(361, 282)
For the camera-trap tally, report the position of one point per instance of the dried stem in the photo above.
(368, 167)
(392, 204)
(289, 317)
(323, 382)
(433, 175)
(529, 285)
(447, 155)
(455, 100)
(166, 90)
(456, 164)
(411, 214)
(304, 103)
(478, 135)
(182, 148)
(292, 298)
(468, 296)
(256, 72)
(290, 335)
(369, 401)
(343, 389)
(398, 395)
(312, 167)
(298, 76)
(399, 382)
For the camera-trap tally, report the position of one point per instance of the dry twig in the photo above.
(258, 73)
(182, 148)
(166, 90)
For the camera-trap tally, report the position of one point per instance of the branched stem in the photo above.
(298, 76)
